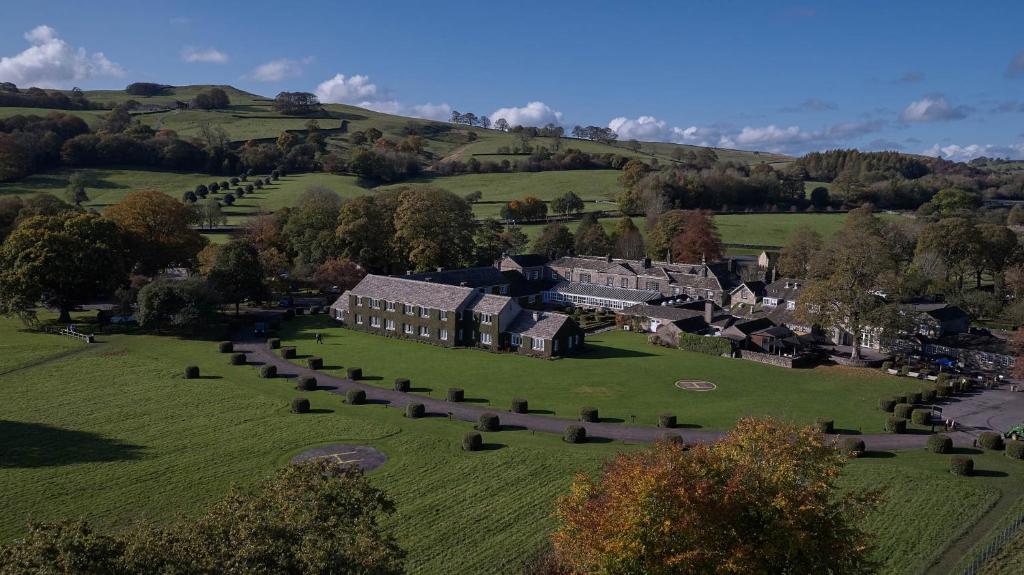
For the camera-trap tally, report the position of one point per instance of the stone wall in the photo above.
(777, 360)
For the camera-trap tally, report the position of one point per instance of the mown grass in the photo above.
(20, 346)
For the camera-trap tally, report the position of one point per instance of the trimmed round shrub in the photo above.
(229, 199)
(887, 405)
(520, 406)
(943, 391)
(574, 434)
(472, 441)
(914, 398)
(192, 372)
(307, 383)
(666, 420)
(415, 410)
(300, 405)
(237, 359)
(852, 447)
(456, 394)
(961, 465)
(274, 343)
(268, 371)
(249, 188)
(315, 362)
(1015, 449)
(921, 416)
(355, 373)
(901, 398)
(288, 352)
(928, 396)
(402, 384)
(990, 440)
(902, 410)
(886, 365)
(226, 347)
(942, 378)
(824, 425)
(588, 414)
(940, 444)
(355, 397)
(896, 425)
(488, 422)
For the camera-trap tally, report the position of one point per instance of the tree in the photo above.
(286, 141)
(188, 304)
(488, 246)
(554, 241)
(296, 103)
(797, 255)
(62, 260)
(237, 274)
(591, 237)
(474, 196)
(950, 202)
(433, 228)
(699, 240)
(514, 240)
(366, 231)
(63, 547)
(1017, 348)
(632, 173)
(764, 499)
(567, 203)
(820, 198)
(626, 239)
(1016, 216)
(309, 232)
(955, 242)
(666, 228)
(501, 124)
(999, 248)
(338, 273)
(10, 210)
(209, 213)
(117, 120)
(159, 230)
(77, 182)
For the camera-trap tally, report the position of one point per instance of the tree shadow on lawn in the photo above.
(688, 426)
(371, 378)
(513, 427)
(989, 473)
(491, 446)
(593, 351)
(31, 445)
(599, 439)
(210, 377)
(321, 410)
(845, 431)
(966, 451)
(869, 454)
(326, 367)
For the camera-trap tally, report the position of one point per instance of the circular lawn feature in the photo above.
(695, 385)
(365, 457)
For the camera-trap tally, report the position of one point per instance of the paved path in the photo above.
(259, 353)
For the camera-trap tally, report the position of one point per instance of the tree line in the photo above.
(12, 96)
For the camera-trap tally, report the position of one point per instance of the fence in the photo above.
(87, 338)
(993, 548)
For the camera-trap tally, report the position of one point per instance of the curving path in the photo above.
(259, 353)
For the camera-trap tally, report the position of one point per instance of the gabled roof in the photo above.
(605, 292)
(756, 287)
(785, 288)
(529, 260)
(489, 304)
(665, 312)
(482, 276)
(423, 294)
(545, 326)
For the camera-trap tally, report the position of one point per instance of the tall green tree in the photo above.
(567, 203)
(433, 228)
(956, 244)
(76, 192)
(554, 241)
(190, 304)
(797, 255)
(237, 273)
(1000, 247)
(310, 231)
(591, 237)
(699, 240)
(627, 241)
(366, 231)
(159, 229)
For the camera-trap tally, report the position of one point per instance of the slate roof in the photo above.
(785, 288)
(605, 292)
(469, 277)
(423, 294)
(489, 303)
(715, 276)
(757, 287)
(779, 331)
(529, 260)
(666, 312)
(941, 311)
(341, 303)
(545, 327)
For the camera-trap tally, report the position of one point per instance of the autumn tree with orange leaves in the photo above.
(763, 500)
(699, 239)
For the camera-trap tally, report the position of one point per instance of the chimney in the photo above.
(732, 265)
(408, 272)
(773, 275)
(647, 263)
(609, 258)
(668, 256)
(536, 316)
(440, 269)
(709, 311)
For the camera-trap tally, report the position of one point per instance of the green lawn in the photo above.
(776, 229)
(620, 374)
(20, 347)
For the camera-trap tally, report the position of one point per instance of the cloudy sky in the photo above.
(938, 77)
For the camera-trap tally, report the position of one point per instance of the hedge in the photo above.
(274, 343)
(903, 410)
(402, 384)
(961, 465)
(192, 372)
(940, 444)
(315, 362)
(921, 416)
(300, 405)
(990, 440)
(666, 420)
(288, 352)
(355, 373)
(307, 383)
(520, 406)
(887, 405)
(942, 391)
(914, 398)
(226, 347)
(673, 438)
(588, 414)
(928, 396)
(886, 365)
(1015, 449)
(237, 359)
(574, 434)
(488, 422)
(824, 425)
(901, 398)
(355, 397)
(472, 441)
(414, 410)
(701, 344)
(896, 425)
(268, 371)
(456, 394)
(852, 447)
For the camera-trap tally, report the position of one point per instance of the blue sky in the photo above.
(938, 77)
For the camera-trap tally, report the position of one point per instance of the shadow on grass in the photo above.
(989, 473)
(326, 388)
(333, 367)
(593, 351)
(491, 446)
(593, 439)
(420, 389)
(321, 410)
(209, 377)
(688, 426)
(30, 445)
(540, 412)
(513, 428)
(371, 378)
(611, 420)
(840, 431)
(877, 455)
(475, 400)
(966, 451)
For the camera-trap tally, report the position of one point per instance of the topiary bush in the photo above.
(666, 420)
(824, 425)
(852, 447)
(415, 410)
(472, 441)
(226, 347)
(288, 352)
(402, 384)
(1015, 449)
(574, 434)
(237, 359)
(921, 416)
(942, 391)
(456, 394)
(268, 371)
(315, 363)
(990, 440)
(886, 365)
(300, 405)
(896, 425)
(673, 438)
(940, 444)
(588, 414)
(961, 465)
(192, 372)
(903, 410)
(307, 383)
(914, 398)
(928, 396)
(901, 398)
(488, 422)
(355, 373)
(274, 343)
(887, 405)
(355, 397)
(520, 406)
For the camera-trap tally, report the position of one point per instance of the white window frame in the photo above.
(503, 290)
(408, 329)
(486, 318)
(516, 339)
(424, 331)
(424, 312)
(359, 318)
(538, 344)
(554, 345)
(389, 325)
(790, 304)
(374, 321)
(391, 306)
(485, 338)
(408, 309)
(443, 315)
(584, 278)
(442, 334)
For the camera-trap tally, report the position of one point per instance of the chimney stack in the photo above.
(732, 265)
(536, 316)
(668, 256)
(647, 263)
(709, 311)
(609, 258)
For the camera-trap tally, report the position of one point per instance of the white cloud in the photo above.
(279, 69)
(382, 106)
(205, 56)
(645, 128)
(431, 111)
(342, 90)
(933, 108)
(49, 62)
(960, 153)
(532, 114)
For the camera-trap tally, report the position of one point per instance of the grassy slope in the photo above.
(20, 347)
